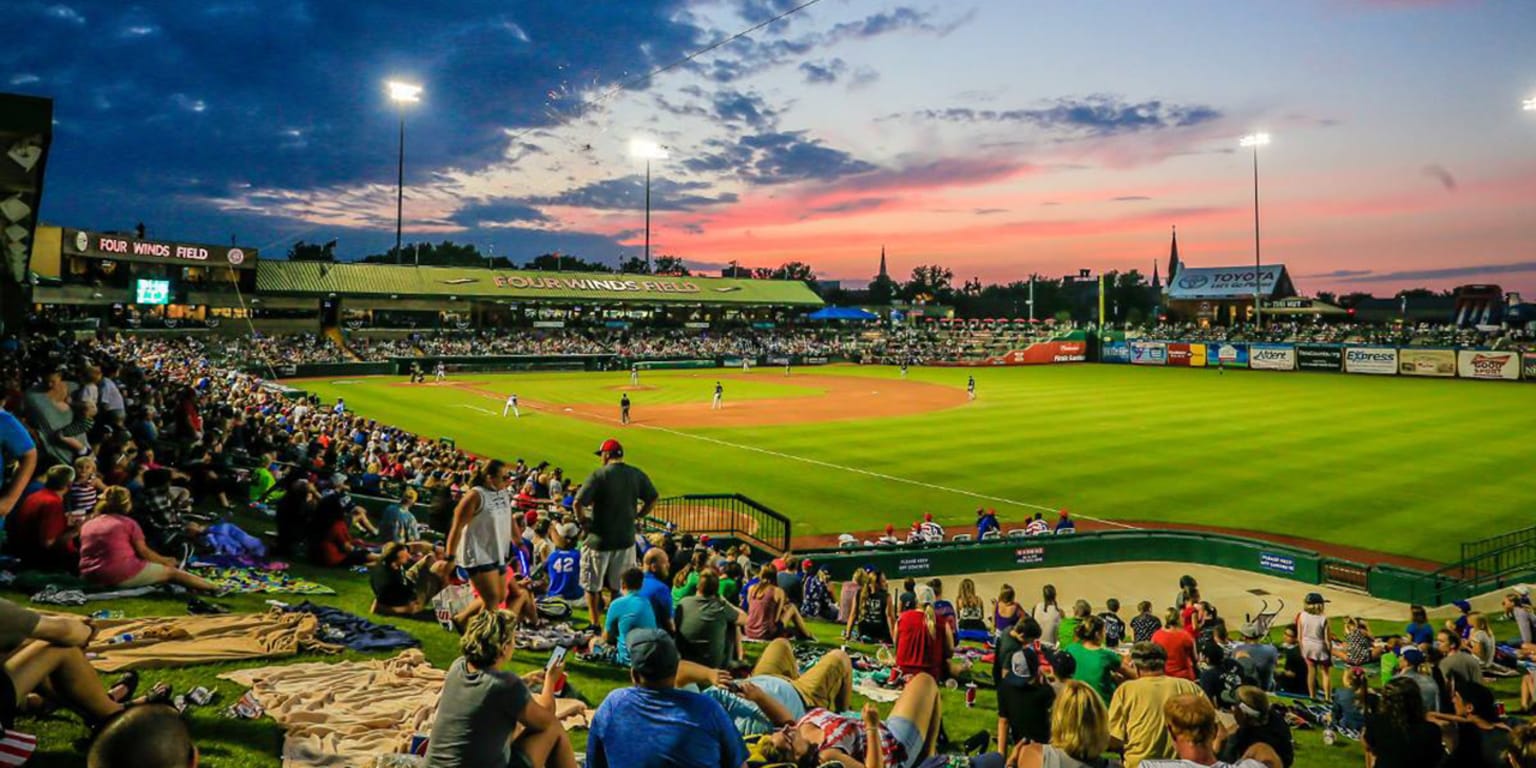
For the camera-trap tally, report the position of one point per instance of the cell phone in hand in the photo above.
(555, 657)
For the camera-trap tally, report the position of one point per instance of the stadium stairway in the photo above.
(334, 334)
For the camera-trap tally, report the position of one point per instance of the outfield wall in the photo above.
(401, 366)
(1358, 359)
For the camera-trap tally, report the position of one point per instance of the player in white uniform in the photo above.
(634, 375)
(511, 405)
(441, 373)
(719, 399)
(970, 387)
(746, 365)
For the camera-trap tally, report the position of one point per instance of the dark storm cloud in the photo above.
(1093, 115)
(776, 158)
(496, 212)
(290, 93)
(628, 194)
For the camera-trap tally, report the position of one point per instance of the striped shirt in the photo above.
(81, 498)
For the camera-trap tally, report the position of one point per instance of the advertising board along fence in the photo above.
(1380, 361)
(1488, 364)
(1415, 361)
(1272, 357)
(1149, 353)
(1319, 357)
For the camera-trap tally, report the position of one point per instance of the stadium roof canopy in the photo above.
(1230, 283)
(322, 278)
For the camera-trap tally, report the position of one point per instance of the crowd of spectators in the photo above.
(1299, 332)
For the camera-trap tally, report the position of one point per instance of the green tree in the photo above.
(930, 280)
(1415, 293)
(882, 290)
(426, 254)
(795, 270)
(302, 251)
(633, 265)
(560, 262)
(670, 265)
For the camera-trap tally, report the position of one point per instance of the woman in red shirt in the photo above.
(38, 532)
(1180, 646)
(918, 648)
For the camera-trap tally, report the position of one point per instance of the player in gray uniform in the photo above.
(970, 387)
(719, 400)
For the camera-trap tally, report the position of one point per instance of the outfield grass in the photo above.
(1396, 465)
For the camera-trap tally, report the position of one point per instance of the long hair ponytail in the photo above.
(487, 471)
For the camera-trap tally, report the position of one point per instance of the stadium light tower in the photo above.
(648, 151)
(1256, 140)
(1529, 105)
(401, 94)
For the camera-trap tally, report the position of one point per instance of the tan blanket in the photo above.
(181, 641)
(348, 713)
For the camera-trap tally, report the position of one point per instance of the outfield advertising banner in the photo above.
(1046, 352)
(1116, 352)
(1272, 357)
(1426, 362)
(1149, 353)
(1178, 354)
(1380, 361)
(1530, 366)
(1319, 357)
(1486, 364)
(1231, 355)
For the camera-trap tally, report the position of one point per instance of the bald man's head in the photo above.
(149, 736)
(656, 561)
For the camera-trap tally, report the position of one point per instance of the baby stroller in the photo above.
(1265, 617)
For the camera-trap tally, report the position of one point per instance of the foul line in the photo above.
(816, 462)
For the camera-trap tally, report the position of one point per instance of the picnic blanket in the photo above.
(349, 713)
(180, 641)
(253, 581)
(355, 632)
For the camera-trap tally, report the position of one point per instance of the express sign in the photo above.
(96, 245)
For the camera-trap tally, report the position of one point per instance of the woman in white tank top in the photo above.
(1316, 646)
(480, 537)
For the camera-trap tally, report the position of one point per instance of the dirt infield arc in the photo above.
(843, 398)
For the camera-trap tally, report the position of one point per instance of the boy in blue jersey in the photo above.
(563, 566)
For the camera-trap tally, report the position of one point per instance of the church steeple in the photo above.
(883, 275)
(1173, 256)
(1157, 284)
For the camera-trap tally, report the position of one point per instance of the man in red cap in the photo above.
(890, 535)
(1064, 523)
(617, 494)
(933, 533)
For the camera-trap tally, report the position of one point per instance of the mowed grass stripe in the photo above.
(1391, 464)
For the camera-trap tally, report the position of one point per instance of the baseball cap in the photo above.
(779, 564)
(569, 530)
(908, 601)
(890, 528)
(1462, 605)
(805, 565)
(1413, 657)
(1252, 630)
(1061, 513)
(340, 478)
(610, 446)
(652, 653)
(1315, 598)
(928, 517)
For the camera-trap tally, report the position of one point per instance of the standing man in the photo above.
(903, 369)
(511, 405)
(624, 408)
(15, 445)
(440, 373)
(970, 387)
(617, 494)
(786, 365)
(715, 404)
(634, 374)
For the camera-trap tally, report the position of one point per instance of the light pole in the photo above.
(401, 94)
(648, 151)
(1256, 140)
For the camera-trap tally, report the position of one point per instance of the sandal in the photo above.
(129, 681)
(159, 693)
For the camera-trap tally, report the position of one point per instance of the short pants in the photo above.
(605, 568)
(906, 732)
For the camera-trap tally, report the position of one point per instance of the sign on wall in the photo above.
(1426, 362)
(1374, 360)
(1319, 357)
(96, 245)
(1149, 353)
(1272, 357)
(1484, 364)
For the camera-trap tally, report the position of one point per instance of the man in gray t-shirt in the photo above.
(616, 494)
(1257, 658)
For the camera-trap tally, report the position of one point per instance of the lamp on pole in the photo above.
(648, 151)
(401, 94)
(1529, 105)
(1256, 140)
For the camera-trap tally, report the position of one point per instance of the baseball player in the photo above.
(903, 369)
(715, 404)
(440, 373)
(746, 365)
(970, 387)
(624, 408)
(511, 405)
(786, 365)
(416, 375)
(634, 375)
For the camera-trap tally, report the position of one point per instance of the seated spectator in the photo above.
(1291, 677)
(160, 509)
(918, 647)
(86, 488)
(330, 538)
(1114, 626)
(777, 693)
(628, 612)
(294, 512)
(1178, 645)
(403, 585)
(770, 614)
(1416, 667)
(1419, 630)
(1192, 729)
(906, 738)
(397, 523)
(345, 507)
(1144, 623)
(1258, 722)
(1006, 612)
(1397, 733)
(263, 487)
(483, 707)
(654, 589)
(563, 565)
(1351, 699)
(969, 608)
(1457, 664)
(1480, 736)
(39, 533)
(791, 580)
(874, 616)
(1137, 722)
(46, 654)
(816, 600)
(1096, 665)
(708, 628)
(1024, 698)
(113, 552)
(1079, 733)
(654, 724)
(144, 737)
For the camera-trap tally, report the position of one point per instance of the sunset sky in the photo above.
(997, 138)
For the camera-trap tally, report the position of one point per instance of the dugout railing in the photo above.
(725, 516)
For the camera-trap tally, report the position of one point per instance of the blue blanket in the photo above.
(355, 632)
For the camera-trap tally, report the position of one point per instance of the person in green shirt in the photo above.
(1096, 665)
(263, 481)
(1067, 632)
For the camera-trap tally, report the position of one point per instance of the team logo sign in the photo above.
(236, 256)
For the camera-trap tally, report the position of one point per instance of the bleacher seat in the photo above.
(848, 545)
(1066, 531)
(991, 535)
(963, 537)
(1017, 533)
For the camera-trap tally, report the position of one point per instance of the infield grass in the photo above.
(1404, 466)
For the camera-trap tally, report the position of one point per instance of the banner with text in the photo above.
(1426, 362)
(1485, 364)
(1178, 353)
(1319, 357)
(1149, 353)
(1375, 360)
(1272, 357)
(1530, 366)
(1117, 352)
(1229, 354)
(1046, 352)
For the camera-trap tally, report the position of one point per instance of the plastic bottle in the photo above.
(107, 614)
(1329, 737)
(126, 637)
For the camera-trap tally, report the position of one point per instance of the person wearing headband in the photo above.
(1258, 722)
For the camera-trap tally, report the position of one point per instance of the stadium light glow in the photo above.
(1529, 105)
(1254, 140)
(403, 93)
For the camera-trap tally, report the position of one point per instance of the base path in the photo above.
(843, 398)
